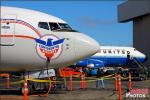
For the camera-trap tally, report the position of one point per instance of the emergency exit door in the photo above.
(7, 30)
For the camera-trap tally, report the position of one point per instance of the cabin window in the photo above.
(43, 25)
(54, 26)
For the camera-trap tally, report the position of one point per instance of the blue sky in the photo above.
(97, 19)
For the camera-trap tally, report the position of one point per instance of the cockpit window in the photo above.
(61, 27)
(54, 26)
(64, 26)
(43, 25)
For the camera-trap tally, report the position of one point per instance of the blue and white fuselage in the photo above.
(112, 56)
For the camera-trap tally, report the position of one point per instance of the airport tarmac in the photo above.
(90, 93)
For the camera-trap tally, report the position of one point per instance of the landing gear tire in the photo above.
(43, 87)
(33, 87)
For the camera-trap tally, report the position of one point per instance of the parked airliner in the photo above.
(113, 56)
(29, 38)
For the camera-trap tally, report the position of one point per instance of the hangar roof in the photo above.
(132, 9)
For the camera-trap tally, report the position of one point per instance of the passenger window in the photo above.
(43, 25)
(54, 26)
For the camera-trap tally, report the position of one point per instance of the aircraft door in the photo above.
(8, 30)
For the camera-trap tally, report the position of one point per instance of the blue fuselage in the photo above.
(107, 61)
(113, 61)
(110, 56)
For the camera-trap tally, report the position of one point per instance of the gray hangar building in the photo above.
(138, 11)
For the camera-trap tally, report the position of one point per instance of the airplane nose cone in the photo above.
(85, 46)
(145, 59)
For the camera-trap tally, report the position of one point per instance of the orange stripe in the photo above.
(22, 23)
(31, 27)
(20, 36)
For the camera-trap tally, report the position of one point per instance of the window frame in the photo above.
(48, 27)
(53, 23)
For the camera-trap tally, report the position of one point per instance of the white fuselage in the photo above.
(119, 51)
(113, 56)
(117, 55)
(21, 31)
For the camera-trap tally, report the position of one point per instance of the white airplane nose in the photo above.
(85, 46)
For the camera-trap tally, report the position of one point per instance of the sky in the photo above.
(97, 19)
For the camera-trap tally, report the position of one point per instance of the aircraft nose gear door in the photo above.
(7, 30)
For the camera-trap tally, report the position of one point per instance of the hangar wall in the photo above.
(141, 35)
(138, 11)
(132, 9)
